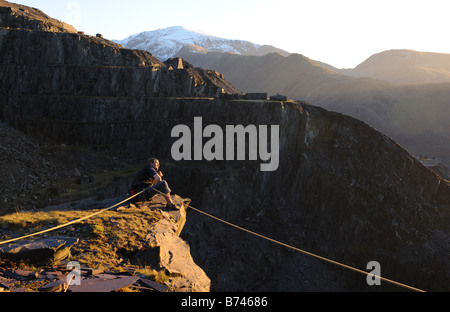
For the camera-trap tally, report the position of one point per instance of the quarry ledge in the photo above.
(172, 252)
(140, 238)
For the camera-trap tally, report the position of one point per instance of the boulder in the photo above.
(170, 252)
(39, 252)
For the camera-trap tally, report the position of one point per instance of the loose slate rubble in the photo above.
(55, 279)
(154, 285)
(54, 274)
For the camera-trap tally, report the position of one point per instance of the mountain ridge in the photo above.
(402, 66)
(165, 43)
(375, 66)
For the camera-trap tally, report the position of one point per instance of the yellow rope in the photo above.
(70, 222)
(304, 251)
(309, 253)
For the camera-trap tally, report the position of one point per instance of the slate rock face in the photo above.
(343, 191)
(44, 251)
(168, 251)
(20, 16)
(69, 64)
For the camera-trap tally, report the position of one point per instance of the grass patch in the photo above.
(102, 179)
(160, 277)
(106, 241)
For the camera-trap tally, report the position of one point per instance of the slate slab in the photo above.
(39, 252)
(4, 283)
(105, 276)
(154, 285)
(55, 286)
(29, 274)
(94, 271)
(99, 285)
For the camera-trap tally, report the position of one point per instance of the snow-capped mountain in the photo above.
(165, 43)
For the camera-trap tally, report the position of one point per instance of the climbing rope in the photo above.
(71, 222)
(303, 251)
(227, 223)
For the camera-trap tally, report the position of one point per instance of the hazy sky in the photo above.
(341, 33)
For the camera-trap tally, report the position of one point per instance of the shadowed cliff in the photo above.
(343, 190)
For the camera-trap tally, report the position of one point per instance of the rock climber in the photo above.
(151, 176)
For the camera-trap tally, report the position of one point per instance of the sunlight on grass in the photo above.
(106, 240)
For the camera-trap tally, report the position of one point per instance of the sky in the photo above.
(341, 33)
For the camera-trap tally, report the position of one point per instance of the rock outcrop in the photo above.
(45, 251)
(19, 16)
(164, 251)
(168, 251)
(79, 65)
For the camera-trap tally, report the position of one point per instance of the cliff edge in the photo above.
(136, 240)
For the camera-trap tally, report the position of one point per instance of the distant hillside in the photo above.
(415, 116)
(166, 43)
(295, 75)
(405, 67)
